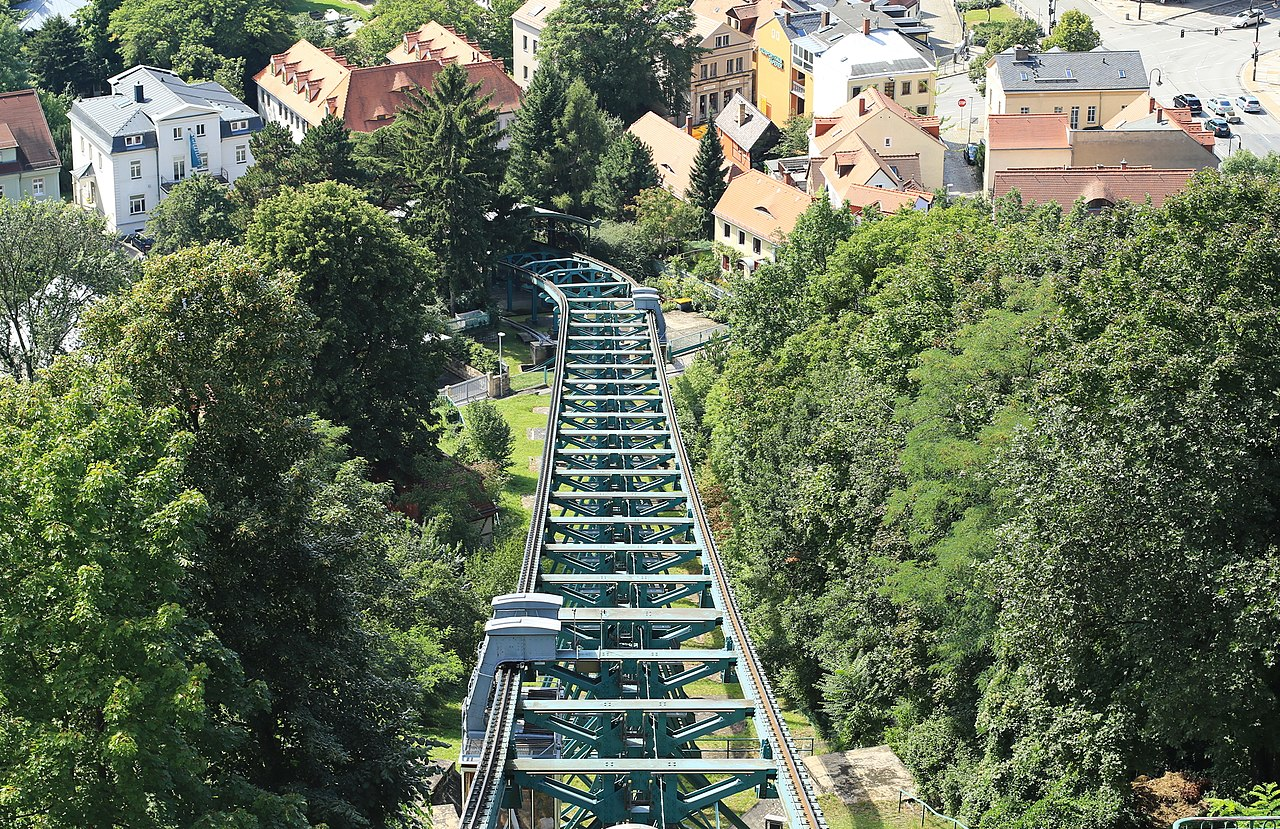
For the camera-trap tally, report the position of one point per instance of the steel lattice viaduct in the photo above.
(582, 697)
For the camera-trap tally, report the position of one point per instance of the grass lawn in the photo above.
(350, 7)
(875, 815)
(446, 727)
(999, 14)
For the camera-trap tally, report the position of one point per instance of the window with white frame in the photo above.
(1093, 114)
(137, 205)
(239, 126)
(177, 133)
(133, 140)
(802, 58)
(1024, 111)
(135, 169)
(199, 130)
(726, 230)
(37, 187)
(204, 160)
(242, 153)
(722, 41)
(526, 42)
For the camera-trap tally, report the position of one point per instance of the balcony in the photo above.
(797, 89)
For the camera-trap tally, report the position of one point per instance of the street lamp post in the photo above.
(1257, 33)
(1157, 74)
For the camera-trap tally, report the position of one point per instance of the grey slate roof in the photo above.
(163, 92)
(35, 13)
(1058, 70)
(745, 135)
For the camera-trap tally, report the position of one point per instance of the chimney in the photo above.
(688, 124)
(826, 18)
(1124, 165)
(1151, 105)
(742, 112)
(786, 18)
(862, 106)
(1021, 54)
(137, 93)
(1159, 115)
(866, 26)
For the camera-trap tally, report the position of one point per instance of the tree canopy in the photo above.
(635, 55)
(1073, 33)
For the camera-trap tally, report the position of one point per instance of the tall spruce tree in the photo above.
(56, 56)
(529, 177)
(275, 160)
(706, 182)
(580, 137)
(626, 168)
(450, 153)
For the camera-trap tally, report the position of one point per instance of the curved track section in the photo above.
(621, 726)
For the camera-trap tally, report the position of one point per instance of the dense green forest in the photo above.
(1002, 492)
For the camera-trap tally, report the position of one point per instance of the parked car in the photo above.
(1191, 102)
(1248, 103)
(1247, 18)
(1219, 127)
(971, 154)
(1221, 106)
(139, 242)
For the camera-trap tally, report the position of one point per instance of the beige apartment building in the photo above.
(723, 70)
(1090, 88)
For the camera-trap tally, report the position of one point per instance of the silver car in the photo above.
(1248, 103)
(1220, 105)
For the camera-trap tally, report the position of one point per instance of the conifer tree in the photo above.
(529, 176)
(325, 153)
(706, 182)
(580, 137)
(626, 168)
(450, 153)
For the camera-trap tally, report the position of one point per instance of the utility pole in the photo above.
(1053, 20)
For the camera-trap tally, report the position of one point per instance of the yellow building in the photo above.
(755, 215)
(814, 62)
(1090, 88)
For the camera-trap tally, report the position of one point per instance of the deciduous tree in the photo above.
(636, 55)
(369, 287)
(55, 261)
(1074, 33)
(196, 212)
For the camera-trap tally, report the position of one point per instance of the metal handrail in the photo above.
(1229, 822)
(905, 796)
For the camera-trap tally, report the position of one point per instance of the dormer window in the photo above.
(239, 126)
(133, 140)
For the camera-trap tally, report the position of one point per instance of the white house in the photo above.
(527, 24)
(131, 147)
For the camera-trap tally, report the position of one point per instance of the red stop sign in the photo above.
(960, 103)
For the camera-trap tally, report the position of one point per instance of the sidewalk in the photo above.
(1267, 86)
(945, 20)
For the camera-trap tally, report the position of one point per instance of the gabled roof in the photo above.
(1056, 70)
(1110, 184)
(743, 123)
(164, 95)
(860, 197)
(315, 82)
(1146, 113)
(35, 13)
(1028, 132)
(673, 150)
(23, 126)
(853, 116)
(433, 41)
(762, 205)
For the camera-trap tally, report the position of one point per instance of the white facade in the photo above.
(131, 147)
(526, 35)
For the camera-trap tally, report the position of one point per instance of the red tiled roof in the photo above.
(1028, 132)
(23, 119)
(367, 98)
(1113, 184)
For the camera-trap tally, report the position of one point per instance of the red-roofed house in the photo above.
(1143, 134)
(1099, 187)
(302, 85)
(29, 161)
